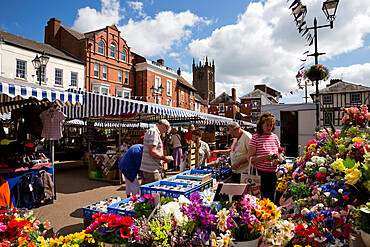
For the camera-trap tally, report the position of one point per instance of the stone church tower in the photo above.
(204, 79)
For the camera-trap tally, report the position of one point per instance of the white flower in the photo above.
(182, 199)
(223, 215)
(337, 243)
(340, 191)
(207, 197)
(305, 211)
(320, 240)
(225, 240)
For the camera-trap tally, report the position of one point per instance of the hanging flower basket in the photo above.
(316, 72)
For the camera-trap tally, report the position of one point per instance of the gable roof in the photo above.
(181, 80)
(38, 47)
(340, 86)
(198, 98)
(222, 98)
(257, 93)
(74, 33)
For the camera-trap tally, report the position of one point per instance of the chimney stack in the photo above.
(51, 31)
(179, 71)
(233, 94)
(160, 61)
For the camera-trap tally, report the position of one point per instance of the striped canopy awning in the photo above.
(13, 94)
(97, 105)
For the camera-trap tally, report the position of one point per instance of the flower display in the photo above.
(355, 116)
(143, 205)
(18, 227)
(316, 72)
(110, 228)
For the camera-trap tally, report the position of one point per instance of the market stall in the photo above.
(26, 170)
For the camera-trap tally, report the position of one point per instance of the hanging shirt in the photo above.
(52, 121)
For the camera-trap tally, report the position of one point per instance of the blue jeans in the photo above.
(268, 185)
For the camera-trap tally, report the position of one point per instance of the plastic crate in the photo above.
(148, 189)
(113, 209)
(88, 212)
(218, 173)
(188, 179)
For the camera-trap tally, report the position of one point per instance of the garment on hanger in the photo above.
(5, 197)
(29, 190)
(47, 181)
(52, 121)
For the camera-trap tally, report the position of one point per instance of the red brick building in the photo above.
(225, 105)
(251, 102)
(106, 53)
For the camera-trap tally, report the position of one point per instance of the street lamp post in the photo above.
(39, 63)
(156, 91)
(329, 8)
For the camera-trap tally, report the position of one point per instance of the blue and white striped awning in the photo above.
(97, 105)
(12, 93)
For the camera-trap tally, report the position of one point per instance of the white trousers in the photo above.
(132, 187)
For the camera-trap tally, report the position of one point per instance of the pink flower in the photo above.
(47, 223)
(352, 110)
(345, 118)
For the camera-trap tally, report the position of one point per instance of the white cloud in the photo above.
(89, 19)
(357, 73)
(188, 76)
(264, 46)
(174, 54)
(137, 7)
(159, 35)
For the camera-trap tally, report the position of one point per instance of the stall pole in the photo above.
(52, 163)
(119, 147)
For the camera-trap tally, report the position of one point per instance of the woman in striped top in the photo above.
(264, 148)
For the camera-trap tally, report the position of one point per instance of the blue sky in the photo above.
(251, 42)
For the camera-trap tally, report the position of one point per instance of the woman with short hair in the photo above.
(204, 150)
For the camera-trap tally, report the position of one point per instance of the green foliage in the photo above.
(160, 231)
(224, 199)
(298, 191)
(349, 163)
(362, 217)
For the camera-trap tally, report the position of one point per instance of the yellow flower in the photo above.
(353, 176)
(357, 139)
(338, 165)
(40, 239)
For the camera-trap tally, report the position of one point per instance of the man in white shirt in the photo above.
(153, 155)
(238, 152)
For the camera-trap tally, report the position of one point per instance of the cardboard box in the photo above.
(112, 175)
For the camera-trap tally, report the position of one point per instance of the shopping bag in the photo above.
(253, 181)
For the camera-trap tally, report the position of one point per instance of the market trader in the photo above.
(153, 155)
(129, 165)
(238, 152)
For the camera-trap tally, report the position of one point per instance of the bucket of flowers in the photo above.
(111, 229)
(355, 117)
(316, 72)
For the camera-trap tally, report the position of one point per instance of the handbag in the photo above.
(253, 181)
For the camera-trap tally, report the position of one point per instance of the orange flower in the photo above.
(22, 240)
(31, 244)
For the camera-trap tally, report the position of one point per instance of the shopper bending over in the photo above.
(129, 165)
(153, 155)
(264, 150)
(238, 152)
(204, 150)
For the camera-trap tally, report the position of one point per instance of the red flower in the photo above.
(346, 196)
(97, 215)
(125, 232)
(300, 229)
(336, 233)
(347, 230)
(127, 221)
(114, 222)
(13, 224)
(5, 244)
